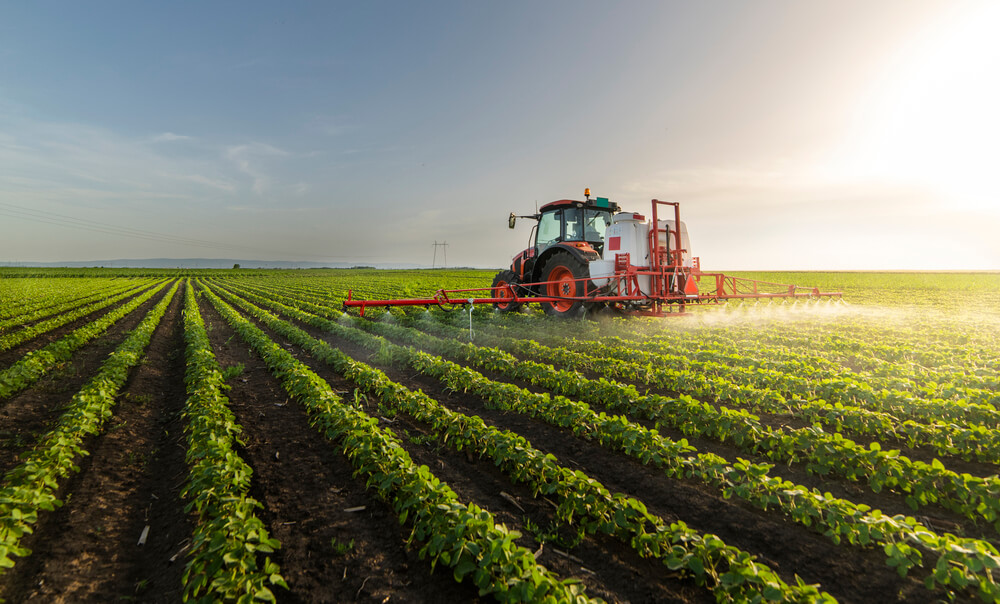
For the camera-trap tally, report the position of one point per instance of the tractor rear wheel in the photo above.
(565, 275)
(503, 283)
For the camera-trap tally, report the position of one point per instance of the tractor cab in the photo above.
(573, 222)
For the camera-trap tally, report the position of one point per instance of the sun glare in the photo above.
(932, 121)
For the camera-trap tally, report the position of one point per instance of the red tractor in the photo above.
(569, 236)
(587, 255)
(578, 247)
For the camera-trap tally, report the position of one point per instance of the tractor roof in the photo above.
(599, 203)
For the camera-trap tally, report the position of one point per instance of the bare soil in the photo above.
(308, 491)
(934, 516)
(338, 542)
(87, 550)
(30, 413)
(850, 574)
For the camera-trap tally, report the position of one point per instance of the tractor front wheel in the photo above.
(503, 284)
(564, 275)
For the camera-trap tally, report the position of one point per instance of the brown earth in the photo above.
(933, 515)
(87, 549)
(339, 543)
(8, 357)
(308, 492)
(608, 568)
(852, 575)
(30, 413)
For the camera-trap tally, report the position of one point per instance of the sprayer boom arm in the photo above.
(727, 287)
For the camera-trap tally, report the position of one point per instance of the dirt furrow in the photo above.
(338, 544)
(30, 413)
(9, 357)
(87, 550)
(850, 574)
(609, 568)
(934, 516)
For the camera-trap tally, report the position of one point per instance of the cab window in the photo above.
(549, 228)
(574, 226)
(595, 225)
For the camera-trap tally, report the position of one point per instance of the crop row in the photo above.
(730, 572)
(827, 353)
(229, 538)
(35, 364)
(922, 362)
(462, 537)
(823, 452)
(933, 365)
(961, 562)
(802, 380)
(23, 335)
(30, 487)
(921, 483)
(618, 362)
(932, 342)
(18, 296)
(34, 310)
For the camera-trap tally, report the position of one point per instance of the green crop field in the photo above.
(235, 435)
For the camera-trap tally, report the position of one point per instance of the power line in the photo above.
(89, 225)
(15, 211)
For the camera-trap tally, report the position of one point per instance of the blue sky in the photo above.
(821, 135)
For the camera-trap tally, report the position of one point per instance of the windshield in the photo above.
(574, 224)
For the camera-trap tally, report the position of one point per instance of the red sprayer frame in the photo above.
(672, 285)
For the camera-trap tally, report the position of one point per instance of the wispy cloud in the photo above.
(284, 209)
(168, 137)
(333, 125)
(52, 160)
(74, 161)
(248, 159)
(221, 184)
(256, 148)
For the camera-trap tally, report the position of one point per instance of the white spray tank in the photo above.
(629, 234)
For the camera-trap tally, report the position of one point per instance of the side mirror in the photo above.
(511, 220)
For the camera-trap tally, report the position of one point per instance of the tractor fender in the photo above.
(521, 262)
(585, 255)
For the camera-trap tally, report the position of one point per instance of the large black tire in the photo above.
(565, 271)
(500, 283)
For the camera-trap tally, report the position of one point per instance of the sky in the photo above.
(826, 135)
